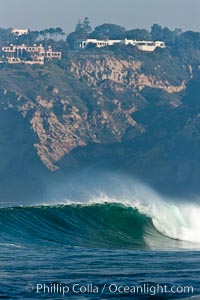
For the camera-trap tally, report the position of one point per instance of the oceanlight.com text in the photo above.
(111, 288)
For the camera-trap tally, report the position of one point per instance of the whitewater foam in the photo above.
(173, 218)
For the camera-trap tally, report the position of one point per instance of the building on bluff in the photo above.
(15, 54)
(149, 46)
(19, 32)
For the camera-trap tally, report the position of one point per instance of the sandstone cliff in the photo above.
(104, 100)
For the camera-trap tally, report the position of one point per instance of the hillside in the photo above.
(116, 108)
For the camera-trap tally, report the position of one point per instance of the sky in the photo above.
(40, 14)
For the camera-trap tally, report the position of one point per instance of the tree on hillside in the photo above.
(163, 34)
(82, 31)
(138, 34)
(108, 31)
(156, 32)
(6, 36)
(79, 27)
(31, 38)
(193, 37)
(87, 29)
(51, 33)
(178, 31)
(188, 40)
(58, 33)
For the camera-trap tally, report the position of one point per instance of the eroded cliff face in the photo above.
(93, 102)
(95, 69)
(59, 135)
(60, 125)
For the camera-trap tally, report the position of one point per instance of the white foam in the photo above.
(173, 218)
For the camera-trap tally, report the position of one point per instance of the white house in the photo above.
(149, 46)
(141, 45)
(50, 54)
(82, 44)
(19, 32)
(37, 54)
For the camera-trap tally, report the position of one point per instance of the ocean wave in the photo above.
(105, 210)
(99, 224)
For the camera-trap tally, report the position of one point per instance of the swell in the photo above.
(108, 225)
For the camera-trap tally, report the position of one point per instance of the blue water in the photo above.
(69, 266)
(103, 245)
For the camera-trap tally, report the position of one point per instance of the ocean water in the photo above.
(139, 247)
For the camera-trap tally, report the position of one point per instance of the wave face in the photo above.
(95, 225)
(104, 211)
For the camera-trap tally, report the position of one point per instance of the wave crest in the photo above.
(100, 225)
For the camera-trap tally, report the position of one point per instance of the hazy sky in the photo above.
(35, 14)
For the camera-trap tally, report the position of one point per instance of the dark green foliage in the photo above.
(108, 31)
(82, 31)
(87, 29)
(51, 34)
(159, 97)
(164, 34)
(192, 97)
(138, 34)
(188, 39)
(6, 37)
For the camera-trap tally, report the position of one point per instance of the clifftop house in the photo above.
(19, 32)
(29, 54)
(141, 45)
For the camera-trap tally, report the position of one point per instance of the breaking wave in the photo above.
(101, 225)
(113, 212)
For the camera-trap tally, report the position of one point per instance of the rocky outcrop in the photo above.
(57, 133)
(94, 102)
(95, 69)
